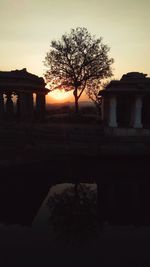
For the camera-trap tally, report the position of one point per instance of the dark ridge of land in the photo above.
(22, 143)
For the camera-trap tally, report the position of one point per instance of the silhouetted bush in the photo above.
(73, 214)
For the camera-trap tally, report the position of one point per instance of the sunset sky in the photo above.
(28, 26)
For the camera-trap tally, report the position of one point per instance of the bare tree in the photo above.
(76, 59)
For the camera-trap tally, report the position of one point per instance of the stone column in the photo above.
(9, 106)
(40, 106)
(137, 114)
(30, 105)
(132, 114)
(1, 106)
(18, 106)
(25, 105)
(112, 120)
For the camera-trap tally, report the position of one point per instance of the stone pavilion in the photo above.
(126, 105)
(22, 95)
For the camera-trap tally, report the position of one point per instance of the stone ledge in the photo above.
(126, 131)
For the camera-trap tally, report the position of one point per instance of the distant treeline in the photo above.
(69, 108)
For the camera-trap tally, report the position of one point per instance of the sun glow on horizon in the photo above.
(60, 95)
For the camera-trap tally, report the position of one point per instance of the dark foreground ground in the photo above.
(115, 246)
(34, 157)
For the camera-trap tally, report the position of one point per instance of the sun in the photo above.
(60, 95)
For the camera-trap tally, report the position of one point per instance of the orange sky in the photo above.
(61, 97)
(28, 27)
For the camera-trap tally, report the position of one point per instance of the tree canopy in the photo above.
(76, 60)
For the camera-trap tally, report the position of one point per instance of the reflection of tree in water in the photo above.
(73, 214)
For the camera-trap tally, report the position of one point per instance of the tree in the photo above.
(75, 60)
(92, 91)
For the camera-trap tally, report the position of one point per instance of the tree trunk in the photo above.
(76, 101)
(76, 106)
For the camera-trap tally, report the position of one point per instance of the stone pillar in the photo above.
(9, 106)
(25, 105)
(112, 120)
(18, 106)
(1, 106)
(137, 114)
(132, 114)
(22, 105)
(30, 105)
(40, 106)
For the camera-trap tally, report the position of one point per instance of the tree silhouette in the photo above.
(75, 60)
(92, 91)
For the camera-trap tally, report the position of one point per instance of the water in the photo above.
(41, 219)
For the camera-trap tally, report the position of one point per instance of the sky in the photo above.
(28, 26)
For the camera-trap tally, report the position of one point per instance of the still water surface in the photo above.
(41, 219)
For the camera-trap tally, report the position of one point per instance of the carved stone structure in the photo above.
(16, 95)
(125, 105)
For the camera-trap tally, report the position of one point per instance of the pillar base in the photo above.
(114, 131)
(113, 125)
(138, 125)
